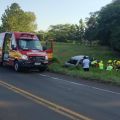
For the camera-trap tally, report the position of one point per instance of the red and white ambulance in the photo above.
(22, 50)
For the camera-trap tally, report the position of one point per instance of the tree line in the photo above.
(16, 19)
(102, 26)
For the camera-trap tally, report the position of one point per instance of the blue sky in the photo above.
(51, 12)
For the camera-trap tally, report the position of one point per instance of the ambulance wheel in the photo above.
(17, 66)
(1, 63)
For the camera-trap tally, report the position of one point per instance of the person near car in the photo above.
(94, 63)
(86, 63)
(101, 65)
(109, 67)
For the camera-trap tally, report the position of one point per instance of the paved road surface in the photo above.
(48, 96)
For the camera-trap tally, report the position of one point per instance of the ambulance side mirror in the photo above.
(13, 47)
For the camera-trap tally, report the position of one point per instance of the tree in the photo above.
(115, 38)
(67, 32)
(108, 25)
(114, 1)
(81, 34)
(15, 19)
(91, 29)
(41, 35)
(1, 29)
(60, 32)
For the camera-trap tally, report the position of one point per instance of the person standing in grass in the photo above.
(101, 65)
(86, 63)
(118, 65)
(94, 63)
(109, 67)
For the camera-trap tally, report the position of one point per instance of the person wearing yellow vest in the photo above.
(109, 61)
(109, 67)
(118, 65)
(94, 63)
(101, 65)
(114, 64)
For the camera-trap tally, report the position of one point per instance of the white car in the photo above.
(75, 61)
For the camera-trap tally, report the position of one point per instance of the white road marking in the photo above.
(79, 84)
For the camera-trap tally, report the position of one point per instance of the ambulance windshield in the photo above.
(29, 44)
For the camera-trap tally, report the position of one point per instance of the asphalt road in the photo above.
(48, 96)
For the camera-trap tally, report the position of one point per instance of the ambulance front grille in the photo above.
(36, 58)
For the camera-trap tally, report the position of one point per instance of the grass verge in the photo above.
(64, 51)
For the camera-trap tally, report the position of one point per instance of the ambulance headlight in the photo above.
(46, 57)
(24, 57)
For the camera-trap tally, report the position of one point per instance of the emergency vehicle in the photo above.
(22, 50)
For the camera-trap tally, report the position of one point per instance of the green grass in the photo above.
(63, 51)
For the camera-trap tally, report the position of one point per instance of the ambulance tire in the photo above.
(1, 63)
(17, 67)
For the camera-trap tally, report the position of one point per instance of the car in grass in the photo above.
(75, 61)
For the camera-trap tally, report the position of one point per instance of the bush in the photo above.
(55, 60)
